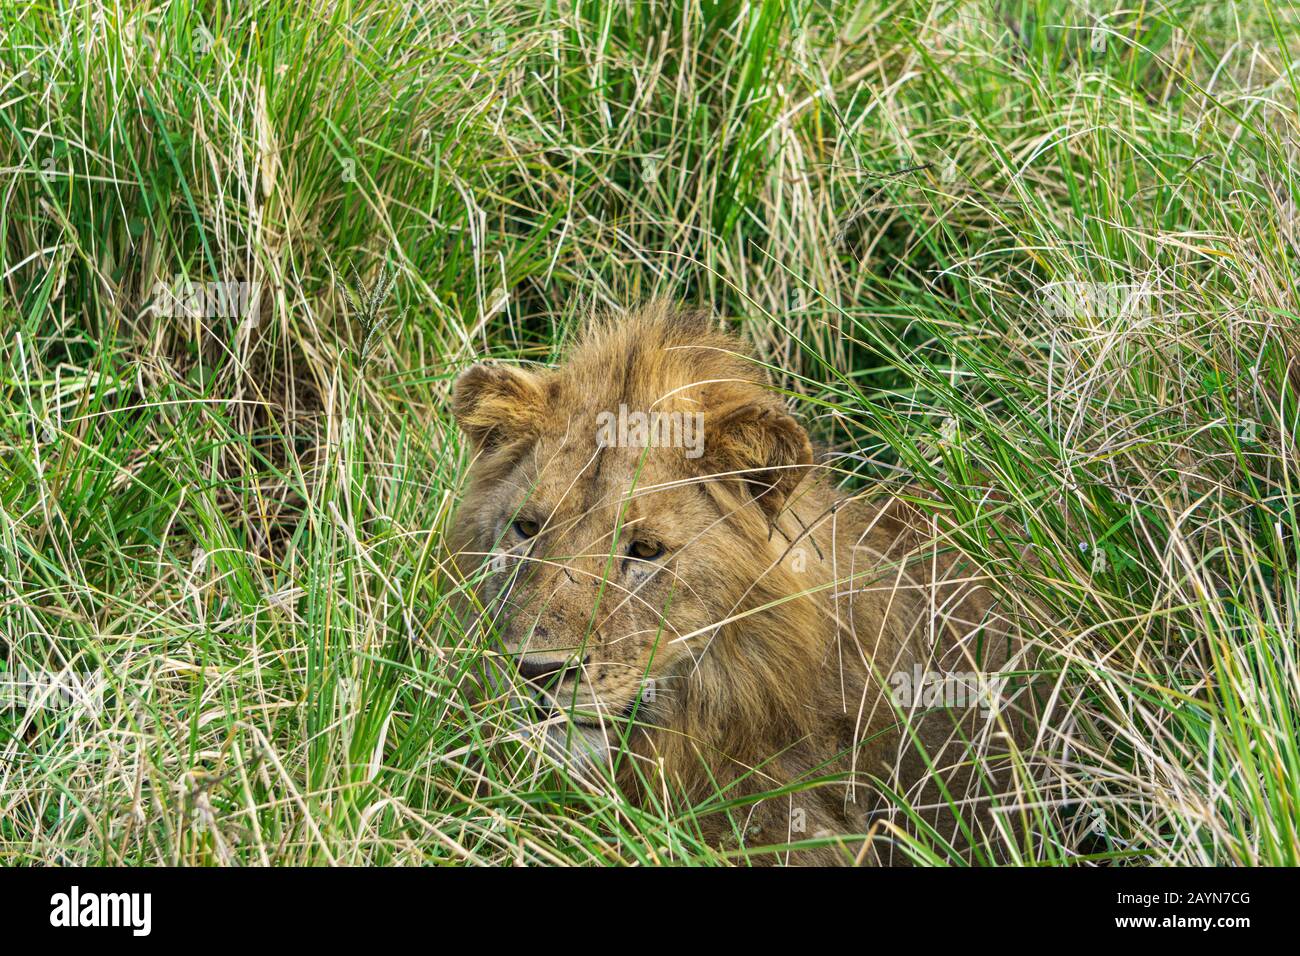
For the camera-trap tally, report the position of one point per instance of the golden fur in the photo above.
(757, 650)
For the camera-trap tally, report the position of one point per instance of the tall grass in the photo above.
(1036, 258)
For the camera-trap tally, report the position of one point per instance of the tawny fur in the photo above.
(770, 625)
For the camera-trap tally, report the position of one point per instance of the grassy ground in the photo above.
(1039, 256)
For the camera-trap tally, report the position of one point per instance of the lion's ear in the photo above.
(496, 404)
(761, 444)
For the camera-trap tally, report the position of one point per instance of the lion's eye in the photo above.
(645, 550)
(526, 528)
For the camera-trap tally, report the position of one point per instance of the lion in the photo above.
(673, 579)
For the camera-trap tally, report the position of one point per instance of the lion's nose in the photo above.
(549, 670)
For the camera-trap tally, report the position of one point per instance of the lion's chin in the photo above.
(575, 739)
(577, 745)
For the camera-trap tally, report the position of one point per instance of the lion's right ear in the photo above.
(497, 404)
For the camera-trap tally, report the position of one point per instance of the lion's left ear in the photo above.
(761, 444)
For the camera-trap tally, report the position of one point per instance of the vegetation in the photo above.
(1038, 257)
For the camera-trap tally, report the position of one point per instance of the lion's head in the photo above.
(621, 508)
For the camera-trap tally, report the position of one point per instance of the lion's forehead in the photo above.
(588, 498)
(604, 473)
